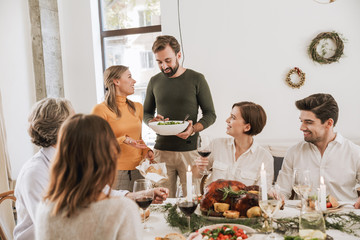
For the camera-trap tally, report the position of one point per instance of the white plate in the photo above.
(168, 130)
(248, 230)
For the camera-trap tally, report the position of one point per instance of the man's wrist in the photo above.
(192, 131)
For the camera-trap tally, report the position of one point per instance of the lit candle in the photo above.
(263, 183)
(189, 184)
(322, 194)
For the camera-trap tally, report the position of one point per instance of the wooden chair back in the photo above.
(3, 197)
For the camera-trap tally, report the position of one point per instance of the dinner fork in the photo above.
(186, 117)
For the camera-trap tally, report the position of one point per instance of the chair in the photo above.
(3, 197)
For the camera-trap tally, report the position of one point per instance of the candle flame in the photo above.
(189, 168)
(321, 180)
(262, 166)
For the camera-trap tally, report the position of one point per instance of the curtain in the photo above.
(7, 222)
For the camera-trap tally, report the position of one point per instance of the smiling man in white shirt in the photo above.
(324, 152)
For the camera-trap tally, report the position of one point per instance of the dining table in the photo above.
(159, 226)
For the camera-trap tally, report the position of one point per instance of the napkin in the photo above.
(158, 173)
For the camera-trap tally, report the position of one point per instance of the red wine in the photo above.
(144, 202)
(204, 153)
(187, 207)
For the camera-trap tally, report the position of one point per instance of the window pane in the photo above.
(135, 52)
(122, 14)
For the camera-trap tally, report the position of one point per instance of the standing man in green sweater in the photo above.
(173, 93)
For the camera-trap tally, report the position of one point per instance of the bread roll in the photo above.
(253, 212)
(151, 169)
(231, 214)
(175, 236)
(333, 201)
(221, 207)
(147, 214)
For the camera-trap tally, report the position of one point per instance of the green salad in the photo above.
(169, 123)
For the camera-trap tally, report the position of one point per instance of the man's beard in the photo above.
(311, 139)
(172, 70)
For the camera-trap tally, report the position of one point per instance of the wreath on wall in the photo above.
(301, 75)
(320, 58)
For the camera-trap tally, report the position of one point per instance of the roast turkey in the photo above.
(215, 192)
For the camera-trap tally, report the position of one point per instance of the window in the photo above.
(128, 30)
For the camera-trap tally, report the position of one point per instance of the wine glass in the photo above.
(144, 196)
(301, 182)
(187, 204)
(203, 148)
(270, 202)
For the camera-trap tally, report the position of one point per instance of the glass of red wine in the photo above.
(187, 204)
(144, 196)
(203, 148)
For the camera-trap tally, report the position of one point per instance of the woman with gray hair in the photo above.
(45, 120)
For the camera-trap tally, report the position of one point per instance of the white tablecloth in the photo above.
(161, 228)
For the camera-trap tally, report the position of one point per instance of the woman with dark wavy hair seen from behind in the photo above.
(75, 206)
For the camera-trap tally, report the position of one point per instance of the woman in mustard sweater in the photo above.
(125, 118)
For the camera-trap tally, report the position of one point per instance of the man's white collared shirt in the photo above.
(339, 165)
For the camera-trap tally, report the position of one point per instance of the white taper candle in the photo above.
(189, 184)
(322, 194)
(263, 183)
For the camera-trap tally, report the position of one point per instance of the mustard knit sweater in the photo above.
(129, 124)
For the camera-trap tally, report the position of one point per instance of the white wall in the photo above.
(246, 48)
(81, 61)
(17, 79)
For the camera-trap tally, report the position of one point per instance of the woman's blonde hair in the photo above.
(85, 162)
(111, 73)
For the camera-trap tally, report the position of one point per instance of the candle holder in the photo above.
(270, 203)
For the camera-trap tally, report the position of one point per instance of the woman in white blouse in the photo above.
(240, 157)
(75, 205)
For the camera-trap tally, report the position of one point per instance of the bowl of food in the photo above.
(168, 128)
(232, 231)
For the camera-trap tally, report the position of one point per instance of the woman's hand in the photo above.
(135, 143)
(202, 163)
(160, 195)
(357, 204)
(150, 156)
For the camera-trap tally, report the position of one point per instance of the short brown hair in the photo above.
(46, 118)
(85, 162)
(162, 41)
(322, 105)
(253, 114)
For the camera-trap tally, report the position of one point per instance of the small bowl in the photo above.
(170, 129)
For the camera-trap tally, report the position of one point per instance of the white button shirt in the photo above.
(33, 179)
(339, 165)
(245, 169)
